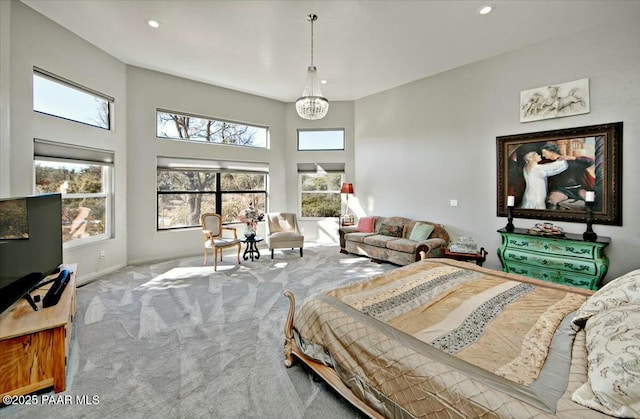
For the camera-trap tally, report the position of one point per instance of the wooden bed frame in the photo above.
(326, 373)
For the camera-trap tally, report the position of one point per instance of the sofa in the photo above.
(397, 240)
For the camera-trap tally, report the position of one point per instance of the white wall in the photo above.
(37, 41)
(340, 116)
(34, 40)
(422, 144)
(417, 146)
(148, 90)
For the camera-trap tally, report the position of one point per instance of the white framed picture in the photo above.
(555, 101)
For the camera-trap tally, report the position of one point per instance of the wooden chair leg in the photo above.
(204, 260)
(239, 248)
(215, 259)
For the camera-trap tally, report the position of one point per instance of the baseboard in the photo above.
(89, 278)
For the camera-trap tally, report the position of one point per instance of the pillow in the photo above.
(421, 232)
(365, 225)
(391, 230)
(623, 291)
(613, 351)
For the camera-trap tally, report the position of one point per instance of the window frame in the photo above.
(303, 130)
(218, 193)
(107, 194)
(44, 74)
(300, 192)
(212, 119)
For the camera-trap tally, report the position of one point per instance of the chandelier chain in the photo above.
(312, 17)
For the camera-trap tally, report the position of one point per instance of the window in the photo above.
(320, 139)
(83, 177)
(200, 129)
(320, 189)
(58, 97)
(184, 194)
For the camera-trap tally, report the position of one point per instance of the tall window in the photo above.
(55, 96)
(83, 177)
(185, 194)
(320, 139)
(319, 186)
(177, 126)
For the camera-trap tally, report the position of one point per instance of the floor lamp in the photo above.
(348, 189)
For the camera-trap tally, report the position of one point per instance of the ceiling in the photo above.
(360, 47)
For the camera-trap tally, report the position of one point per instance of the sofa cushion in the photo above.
(379, 240)
(421, 232)
(357, 236)
(365, 225)
(402, 245)
(389, 230)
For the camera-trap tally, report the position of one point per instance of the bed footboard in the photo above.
(324, 372)
(288, 330)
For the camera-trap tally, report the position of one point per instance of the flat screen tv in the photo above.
(30, 244)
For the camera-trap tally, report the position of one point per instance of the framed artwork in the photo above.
(555, 101)
(548, 173)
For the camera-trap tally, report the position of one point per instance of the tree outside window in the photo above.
(320, 194)
(183, 196)
(84, 196)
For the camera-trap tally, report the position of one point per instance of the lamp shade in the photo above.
(347, 188)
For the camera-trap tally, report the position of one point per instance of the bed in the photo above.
(448, 339)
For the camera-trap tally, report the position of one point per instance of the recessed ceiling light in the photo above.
(484, 10)
(153, 23)
(323, 81)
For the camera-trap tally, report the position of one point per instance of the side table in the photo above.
(479, 257)
(251, 249)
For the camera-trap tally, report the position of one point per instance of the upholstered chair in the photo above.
(283, 232)
(212, 230)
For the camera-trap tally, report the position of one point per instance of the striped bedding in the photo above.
(448, 339)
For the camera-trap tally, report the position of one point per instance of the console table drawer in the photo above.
(550, 275)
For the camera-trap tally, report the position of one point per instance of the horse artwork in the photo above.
(554, 101)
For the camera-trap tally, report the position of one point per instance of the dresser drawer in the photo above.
(551, 275)
(577, 265)
(554, 246)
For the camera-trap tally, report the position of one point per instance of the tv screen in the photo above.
(26, 249)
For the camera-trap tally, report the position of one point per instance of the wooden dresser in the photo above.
(34, 345)
(567, 259)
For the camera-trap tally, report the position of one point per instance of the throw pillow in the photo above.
(623, 291)
(421, 232)
(612, 342)
(391, 230)
(365, 225)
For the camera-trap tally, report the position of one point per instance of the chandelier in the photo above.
(312, 105)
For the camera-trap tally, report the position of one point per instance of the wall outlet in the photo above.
(453, 202)
(103, 254)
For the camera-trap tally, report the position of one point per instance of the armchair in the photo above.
(283, 232)
(212, 230)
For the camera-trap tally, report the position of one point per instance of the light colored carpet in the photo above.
(178, 340)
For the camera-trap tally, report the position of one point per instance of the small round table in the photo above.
(252, 248)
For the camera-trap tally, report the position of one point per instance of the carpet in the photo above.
(178, 340)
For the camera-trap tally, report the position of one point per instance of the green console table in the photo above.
(567, 259)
